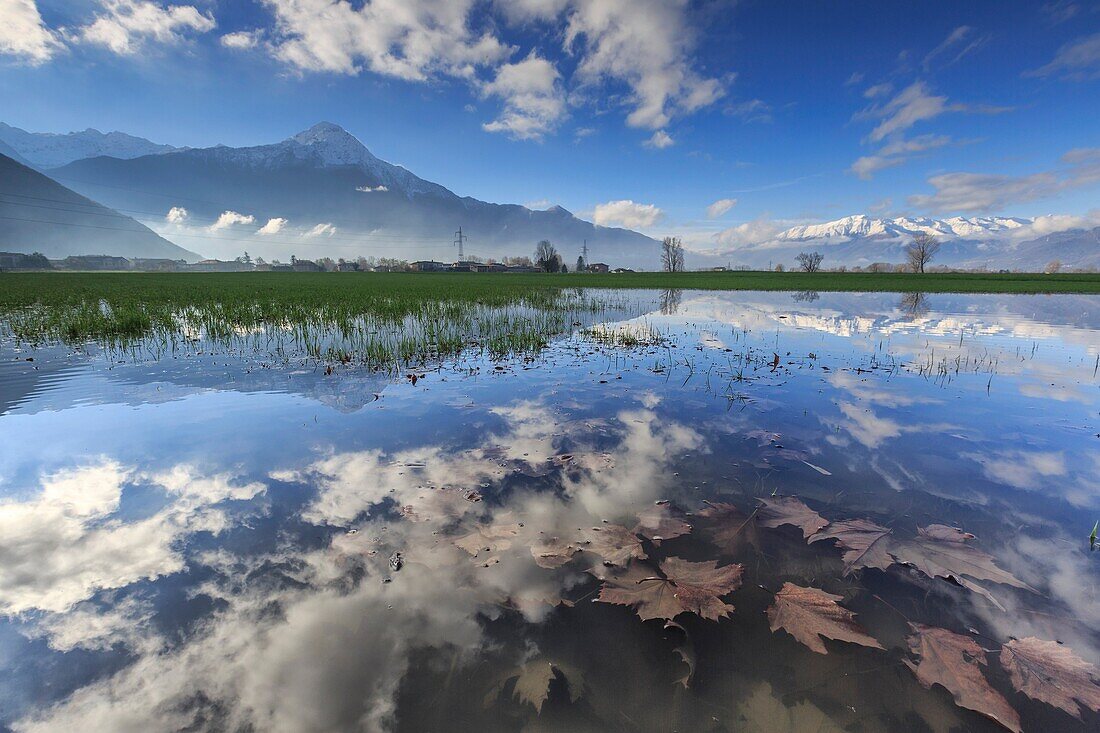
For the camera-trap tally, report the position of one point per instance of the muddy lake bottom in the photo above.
(648, 525)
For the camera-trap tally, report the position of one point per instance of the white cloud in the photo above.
(413, 40)
(231, 218)
(961, 192)
(367, 189)
(954, 47)
(126, 25)
(539, 205)
(321, 230)
(24, 35)
(627, 214)
(719, 207)
(918, 144)
(913, 104)
(751, 232)
(660, 140)
(177, 215)
(868, 165)
(241, 40)
(273, 226)
(878, 90)
(534, 100)
(753, 110)
(1078, 60)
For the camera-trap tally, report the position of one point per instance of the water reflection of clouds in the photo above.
(321, 652)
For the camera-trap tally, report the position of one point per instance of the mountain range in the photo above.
(49, 150)
(38, 214)
(978, 242)
(329, 195)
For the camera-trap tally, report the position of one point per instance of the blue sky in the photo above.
(636, 112)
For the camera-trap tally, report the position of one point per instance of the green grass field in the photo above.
(388, 319)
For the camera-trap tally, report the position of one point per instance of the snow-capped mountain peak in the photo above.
(48, 149)
(334, 145)
(863, 226)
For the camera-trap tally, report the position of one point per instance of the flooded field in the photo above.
(663, 511)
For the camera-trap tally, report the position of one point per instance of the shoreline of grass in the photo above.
(26, 288)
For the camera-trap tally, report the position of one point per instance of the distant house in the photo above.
(306, 266)
(599, 267)
(465, 266)
(491, 267)
(521, 268)
(282, 268)
(95, 262)
(150, 264)
(347, 267)
(220, 266)
(621, 270)
(428, 266)
(20, 261)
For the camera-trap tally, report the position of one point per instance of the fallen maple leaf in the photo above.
(616, 544)
(491, 537)
(728, 527)
(779, 510)
(944, 552)
(656, 523)
(865, 544)
(1047, 671)
(808, 614)
(533, 680)
(685, 586)
(954, 661)
(553, 552)
(764, 712)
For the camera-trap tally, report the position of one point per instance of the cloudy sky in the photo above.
(664, 115)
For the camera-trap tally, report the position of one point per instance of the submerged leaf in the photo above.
(779, 510)
(553, 552)
(764, 712)
(693, 587)
(729, 528)
(808, 614)
(944, 552)
(865, 544)
(954, 661)
(491, 537)
(533, 682)
(656, 523)
(686, 651)
(1048, 671)
(616, 544)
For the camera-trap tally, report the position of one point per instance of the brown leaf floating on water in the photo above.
(944, 552)
(779, 510)
(553, 552)
(686, 587)
(865, 544)
(1047, 671)
(808, 614)
(728, 527)
(497, 535)
(656, 523)
(616, 544)
(954, 661)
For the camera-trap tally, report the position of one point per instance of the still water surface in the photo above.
(207, 541)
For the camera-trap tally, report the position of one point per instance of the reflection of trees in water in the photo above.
(670, 301)
(806, 296)
(914, 305)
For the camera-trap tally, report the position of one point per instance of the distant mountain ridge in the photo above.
(861, 225)
(326, 175)
(49, 150)
(38, 214)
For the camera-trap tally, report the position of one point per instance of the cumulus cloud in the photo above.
(534, 100)
(719, 207)
(177, 215)
(273, 226)
(24, 35)
(231, 218)
(126, 25)
(321, 230)
(962, 192)
(1077, 60)
(751, 232)
(367, 189)
(660, 140)
(241, 40)
(413, 40)
(626, 213)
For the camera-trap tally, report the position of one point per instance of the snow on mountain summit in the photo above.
(865, 227)
(334, 145)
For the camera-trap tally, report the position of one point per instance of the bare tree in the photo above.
(921, 250)
(1053, 267)
(810, 261)
(672, 255)
(779, 267)
(547, 257)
